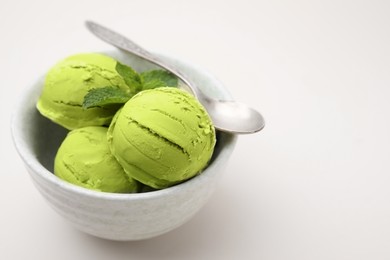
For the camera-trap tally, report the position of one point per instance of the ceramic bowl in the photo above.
(108, 215)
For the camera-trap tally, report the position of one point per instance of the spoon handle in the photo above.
(128, 45)
(228, 116)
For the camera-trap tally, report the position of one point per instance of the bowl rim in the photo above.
(36, 167)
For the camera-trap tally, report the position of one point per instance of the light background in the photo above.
(314, 184)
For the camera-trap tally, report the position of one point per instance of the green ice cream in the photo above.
(69, 81)
(162, 137)
(84, 159)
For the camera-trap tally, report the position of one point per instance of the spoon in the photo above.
(226, 115)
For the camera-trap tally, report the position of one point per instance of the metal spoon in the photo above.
(227, 116)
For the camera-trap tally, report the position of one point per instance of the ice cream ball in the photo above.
(162, 137)
(84, 159)
(67, 83)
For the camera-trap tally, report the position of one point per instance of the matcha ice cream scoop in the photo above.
(84, 159)
(162, 137)
(67, 83)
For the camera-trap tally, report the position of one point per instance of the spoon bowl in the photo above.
(227, 116)
(233, 116)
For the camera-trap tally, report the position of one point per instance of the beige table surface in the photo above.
(313, 185)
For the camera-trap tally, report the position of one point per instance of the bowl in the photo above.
(114, 216)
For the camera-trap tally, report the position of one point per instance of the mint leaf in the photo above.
(99, 97)
(153, 83)
(158, 78)
(130, 76)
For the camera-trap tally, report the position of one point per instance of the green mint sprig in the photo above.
(158, 78)
(135, 81)
(130, 76)
(100, 97)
